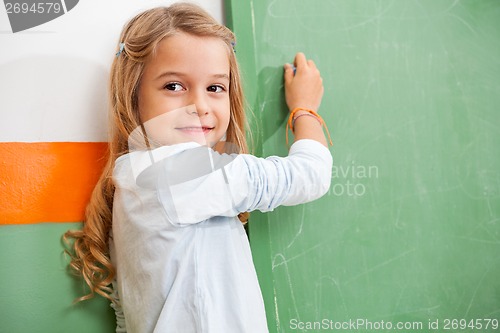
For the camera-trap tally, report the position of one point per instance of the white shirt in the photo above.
(182, 257)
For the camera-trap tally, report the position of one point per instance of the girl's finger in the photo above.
(300, 60)
(311, 64)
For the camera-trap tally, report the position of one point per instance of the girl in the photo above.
(161, 238)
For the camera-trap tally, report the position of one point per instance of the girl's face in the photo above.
(184, 91)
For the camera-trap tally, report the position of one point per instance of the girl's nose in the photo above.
(201, 103)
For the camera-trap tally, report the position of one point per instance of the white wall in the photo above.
(53, 77)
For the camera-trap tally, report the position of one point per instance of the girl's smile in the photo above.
(184, 91)
(195, 130)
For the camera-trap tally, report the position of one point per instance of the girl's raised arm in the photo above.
(304, 90)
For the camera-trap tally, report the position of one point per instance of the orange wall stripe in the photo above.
(48, 181)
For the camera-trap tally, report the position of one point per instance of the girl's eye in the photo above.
(216, 89)
(173, 86)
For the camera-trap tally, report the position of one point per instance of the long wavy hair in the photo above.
(89, 247)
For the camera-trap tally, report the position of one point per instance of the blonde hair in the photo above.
(140, 37)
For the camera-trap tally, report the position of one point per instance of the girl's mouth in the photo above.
(195, 129)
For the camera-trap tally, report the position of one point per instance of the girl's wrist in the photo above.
(303, 115)
(300, 112)
(301, 109)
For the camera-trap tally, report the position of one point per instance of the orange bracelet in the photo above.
(302, 115)
(291, 119)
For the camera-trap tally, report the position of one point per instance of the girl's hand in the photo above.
(305, 88)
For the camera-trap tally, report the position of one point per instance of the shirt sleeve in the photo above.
(196, 188)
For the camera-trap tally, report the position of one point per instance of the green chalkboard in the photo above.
(409, 232)
(37, 290)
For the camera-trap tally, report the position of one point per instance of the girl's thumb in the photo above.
(289, 72)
